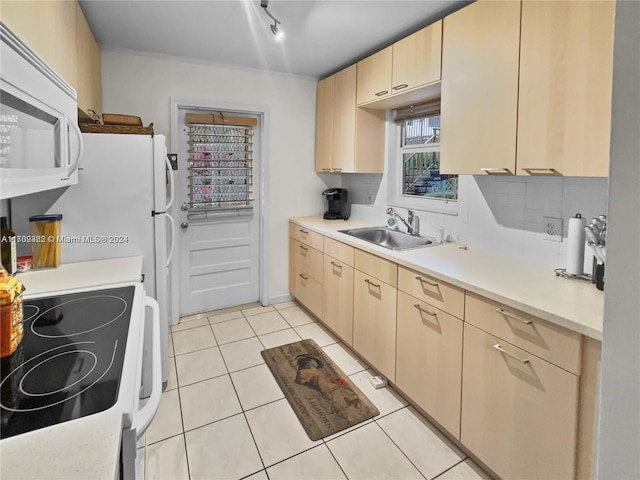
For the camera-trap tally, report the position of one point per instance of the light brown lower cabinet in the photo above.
(374, 322)
(429, 360)
(338, 298)
(309, 292)
(519, 412)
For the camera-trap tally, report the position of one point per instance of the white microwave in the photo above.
(40, 142)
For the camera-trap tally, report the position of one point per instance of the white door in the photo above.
(219, 246)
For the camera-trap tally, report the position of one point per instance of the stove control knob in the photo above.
(184, 225)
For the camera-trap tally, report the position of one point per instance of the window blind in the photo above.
(220, 166)
(421, 110)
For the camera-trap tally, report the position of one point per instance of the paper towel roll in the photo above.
(575, 245)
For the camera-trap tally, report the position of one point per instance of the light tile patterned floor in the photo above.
(223, 415)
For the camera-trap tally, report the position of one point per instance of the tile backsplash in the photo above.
(503, 214)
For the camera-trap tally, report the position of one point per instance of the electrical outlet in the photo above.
(552, 228)
(369, 198)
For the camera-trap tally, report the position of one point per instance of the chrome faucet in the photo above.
(412, 222)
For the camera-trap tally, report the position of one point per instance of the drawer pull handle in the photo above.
(303, 247)
(383, 92)
(424, 280)
(305, 232)
(541, 171)
(336, 265)
(502, 350)
(422, 310)
(400, 87)
(496, 171)
(510, 315)
(304, 277)
(377, 285)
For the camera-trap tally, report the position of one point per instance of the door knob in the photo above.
(184, 207)
(184, 225)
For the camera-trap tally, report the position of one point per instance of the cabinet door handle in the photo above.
(422, 310)
(383, 92)
(401, 86)
(304, 231)
(303, 248)
(377, 285)
(511, 315)
(304, 277)
(502, 350)
(496, 171)
(337, 169)
(326, 169)
(336, 265)
(424, 280)
(541, 171)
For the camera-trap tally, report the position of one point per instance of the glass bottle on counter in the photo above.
(8, 247)
(11, 313)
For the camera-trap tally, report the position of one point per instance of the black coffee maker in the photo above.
(336, 204)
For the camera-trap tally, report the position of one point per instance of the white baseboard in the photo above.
(285, 297)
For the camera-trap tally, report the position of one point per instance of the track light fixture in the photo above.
(277, 33)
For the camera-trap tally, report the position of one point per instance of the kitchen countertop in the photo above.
(535, 289)
(83, 449)
(70, 276)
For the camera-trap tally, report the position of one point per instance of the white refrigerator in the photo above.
(119, 208)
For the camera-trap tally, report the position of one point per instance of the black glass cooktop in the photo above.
(69, 362)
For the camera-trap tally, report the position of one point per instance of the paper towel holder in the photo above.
(563, 272)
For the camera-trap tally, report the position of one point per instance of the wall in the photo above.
(617, 447)
(503, 214)
(144, 86)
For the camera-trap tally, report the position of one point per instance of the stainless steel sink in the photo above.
(391, 239)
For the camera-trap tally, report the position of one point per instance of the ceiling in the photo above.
(321, 36)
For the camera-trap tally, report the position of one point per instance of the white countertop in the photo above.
(535, 289)
(83, 449)
(70, 276)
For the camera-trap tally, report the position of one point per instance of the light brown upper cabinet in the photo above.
(88, 73)
(375, 76)
(58, 33)
(409, 63)
(417, 59)
(564, 105)
(530, 100)
(479, 102)
(348, 139)
(344, 120)
(49, 29)
(324, 124)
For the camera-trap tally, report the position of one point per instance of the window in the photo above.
(415, 176)
(420, 148)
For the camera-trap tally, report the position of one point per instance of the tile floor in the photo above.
(223, 415)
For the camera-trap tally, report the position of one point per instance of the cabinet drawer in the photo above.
(429, 360)
(308, 292)
(338, 298)
(374, 323)
(377, 267)
(519, 418)
(306, 236)
(306, 259)
(339, 251)
(555, 344)
(433, 291)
